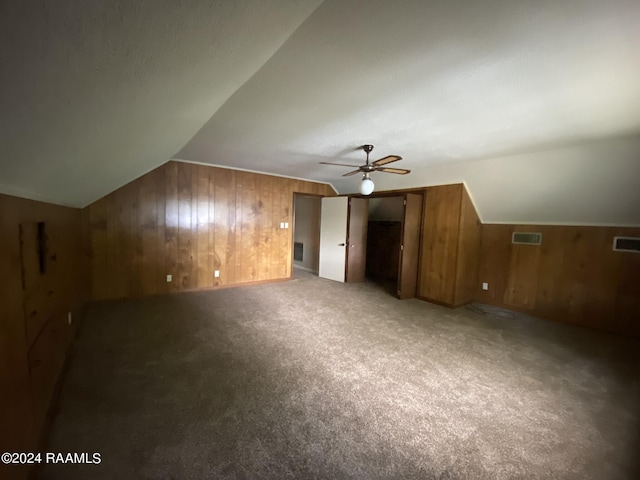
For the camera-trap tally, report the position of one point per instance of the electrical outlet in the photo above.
(169, 278)
(281, 224)
(286, 224)
(69, 318)
(485, 286)
(216, 273)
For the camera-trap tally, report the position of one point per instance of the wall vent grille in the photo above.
(527, 238)
(626, 244)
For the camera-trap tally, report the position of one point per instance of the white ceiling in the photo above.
(534, 105)
(96, 93)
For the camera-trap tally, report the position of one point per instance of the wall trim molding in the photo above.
(563, 224)
(252, 171)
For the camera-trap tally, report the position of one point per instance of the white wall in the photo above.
(594, 183)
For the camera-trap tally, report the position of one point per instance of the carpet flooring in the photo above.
(315, 379)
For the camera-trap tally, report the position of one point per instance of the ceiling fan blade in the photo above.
(339, 164)
(399, 171)
(387, 159)
(351, 173)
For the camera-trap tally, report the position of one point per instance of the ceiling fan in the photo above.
(367, 185)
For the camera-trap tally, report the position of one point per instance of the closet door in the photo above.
(410, 246)
(357, 239)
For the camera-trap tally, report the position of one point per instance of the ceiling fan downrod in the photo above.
(367, 148)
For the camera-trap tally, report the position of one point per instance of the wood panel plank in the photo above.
(522, 283)
(284, 254)
(222, 217)
(161, 285)
(262, 236)
(99, 242)
(249, 215)
(238, 222)
(29, 254)
(193, 275)
(172, 226)
(214, 260)
(272, 226)
(550, 295)
(495, 248)
(185, 233)
(233, 252)
(204, 258)
(466, 280)
(120, 269)
(133, 232)
(600, 311)
(277, 232)
(440, 243)
(579, 252)
(147, 233)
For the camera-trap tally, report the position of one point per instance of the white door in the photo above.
(333, 238)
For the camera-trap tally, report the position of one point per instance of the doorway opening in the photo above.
(384, 238)
(393, 243)
(306, 234)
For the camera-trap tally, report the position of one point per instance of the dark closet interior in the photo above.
(384, 238)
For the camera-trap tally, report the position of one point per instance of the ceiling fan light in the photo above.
(367, 185)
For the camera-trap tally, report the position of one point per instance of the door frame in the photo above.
(402, 193)
(399, 291)
(359, 275)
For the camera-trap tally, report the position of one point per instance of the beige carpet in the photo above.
(316, 379)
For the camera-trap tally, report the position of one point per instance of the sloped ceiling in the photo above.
(94, 94)
(534, 105)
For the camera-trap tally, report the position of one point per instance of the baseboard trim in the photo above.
(191, 290)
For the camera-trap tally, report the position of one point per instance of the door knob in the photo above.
(341, 244)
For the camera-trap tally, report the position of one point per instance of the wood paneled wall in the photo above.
(187, 221)
(574, 276)
(469, 241)
(34, 332)
(450, 246)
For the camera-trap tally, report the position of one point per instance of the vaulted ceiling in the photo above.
(534, 105)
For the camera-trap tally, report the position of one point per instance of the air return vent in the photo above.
(626, 244)
(527, 238)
